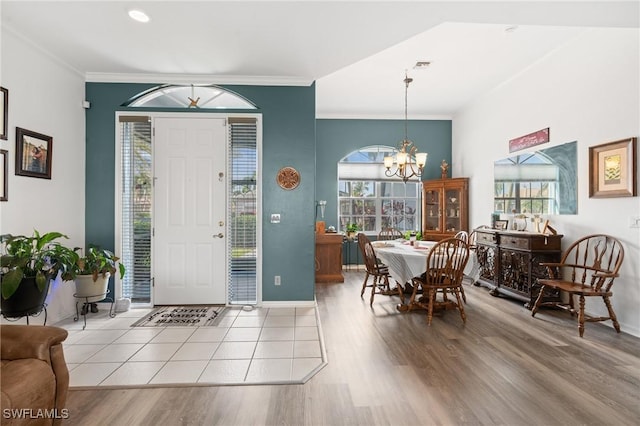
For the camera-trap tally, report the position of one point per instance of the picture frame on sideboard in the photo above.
(502, 225)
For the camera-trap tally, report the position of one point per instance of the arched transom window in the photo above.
(191, 96)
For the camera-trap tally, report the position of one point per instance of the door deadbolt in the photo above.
(220, 235)
(221, 223)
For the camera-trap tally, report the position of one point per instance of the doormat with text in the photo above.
(167, 316)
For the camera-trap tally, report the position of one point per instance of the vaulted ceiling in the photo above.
(356, 51)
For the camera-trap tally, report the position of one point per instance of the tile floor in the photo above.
(265, 345)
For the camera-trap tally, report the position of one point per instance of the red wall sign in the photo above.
(532, 139)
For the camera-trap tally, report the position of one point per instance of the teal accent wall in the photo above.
(337, 138)
(288, 130)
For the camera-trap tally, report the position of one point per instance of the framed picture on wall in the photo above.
(4, 113)
(613, 170)
(33, 154)
(4, 172)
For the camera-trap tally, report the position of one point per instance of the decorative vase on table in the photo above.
(520, 222)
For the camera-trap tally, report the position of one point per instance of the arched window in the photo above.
(371, 200)
(526, 183)
(192, 96)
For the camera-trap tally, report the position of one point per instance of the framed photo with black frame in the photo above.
(4, 113)
(33, 154)
(4, 173)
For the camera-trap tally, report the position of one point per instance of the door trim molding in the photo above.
(118, 183)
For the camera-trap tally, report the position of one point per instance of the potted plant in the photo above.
(92, 272)
(352, 229)
(27, 268)
(416, 234)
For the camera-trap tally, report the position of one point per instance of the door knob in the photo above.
(221, 223)
(220, 235)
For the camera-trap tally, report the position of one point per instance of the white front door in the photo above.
(190, 257)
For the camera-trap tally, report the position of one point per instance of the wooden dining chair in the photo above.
(390, 234)
(443, 276)
(586, 269)
(379, 272)
(462, 235)
(473, 235)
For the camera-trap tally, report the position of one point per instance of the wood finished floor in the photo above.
(389, 368)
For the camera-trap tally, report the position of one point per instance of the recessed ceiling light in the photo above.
(138, 15)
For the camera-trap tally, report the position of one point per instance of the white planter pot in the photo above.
(89, 290)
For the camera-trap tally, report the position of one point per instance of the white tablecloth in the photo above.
(406, 261)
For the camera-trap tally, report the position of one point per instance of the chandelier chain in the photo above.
(407, 80)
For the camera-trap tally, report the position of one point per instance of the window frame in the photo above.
(366, 165)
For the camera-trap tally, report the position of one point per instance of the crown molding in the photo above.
(11, 30)
(379, 116)
(98, 77)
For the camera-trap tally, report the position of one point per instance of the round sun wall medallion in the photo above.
(288, 178)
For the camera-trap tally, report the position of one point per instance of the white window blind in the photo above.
(243, 196)
(370, 199)
(136, 202)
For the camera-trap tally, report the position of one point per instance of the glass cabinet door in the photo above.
(433, 210)
(444, 208)
(452, 199)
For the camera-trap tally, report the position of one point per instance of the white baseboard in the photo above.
(289, 304)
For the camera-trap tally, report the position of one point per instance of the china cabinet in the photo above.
(445, 208)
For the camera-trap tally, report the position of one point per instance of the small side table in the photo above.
(85, 300)
(347, 252)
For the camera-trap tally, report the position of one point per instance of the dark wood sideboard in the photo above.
(329, 258)
(510, 262)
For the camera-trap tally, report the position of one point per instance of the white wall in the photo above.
(45, 96)
(586, 91)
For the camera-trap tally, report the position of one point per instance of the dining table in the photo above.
(407, 259)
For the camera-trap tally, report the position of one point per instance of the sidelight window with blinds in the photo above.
(243, 211)
(136, 200)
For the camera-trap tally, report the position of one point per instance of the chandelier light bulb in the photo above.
(388, 162)
(401, 158)
(421, 159)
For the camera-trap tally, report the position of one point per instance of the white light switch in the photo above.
(275, 217)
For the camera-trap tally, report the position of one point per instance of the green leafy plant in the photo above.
(98, 261)
(39, 256)
(352, 227)
(407, 235)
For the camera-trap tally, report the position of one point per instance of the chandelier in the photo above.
(409, 162)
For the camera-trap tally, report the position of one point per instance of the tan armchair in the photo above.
(34, 378)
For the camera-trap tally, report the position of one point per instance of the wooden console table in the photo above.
(510, 262)
(329, 258)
